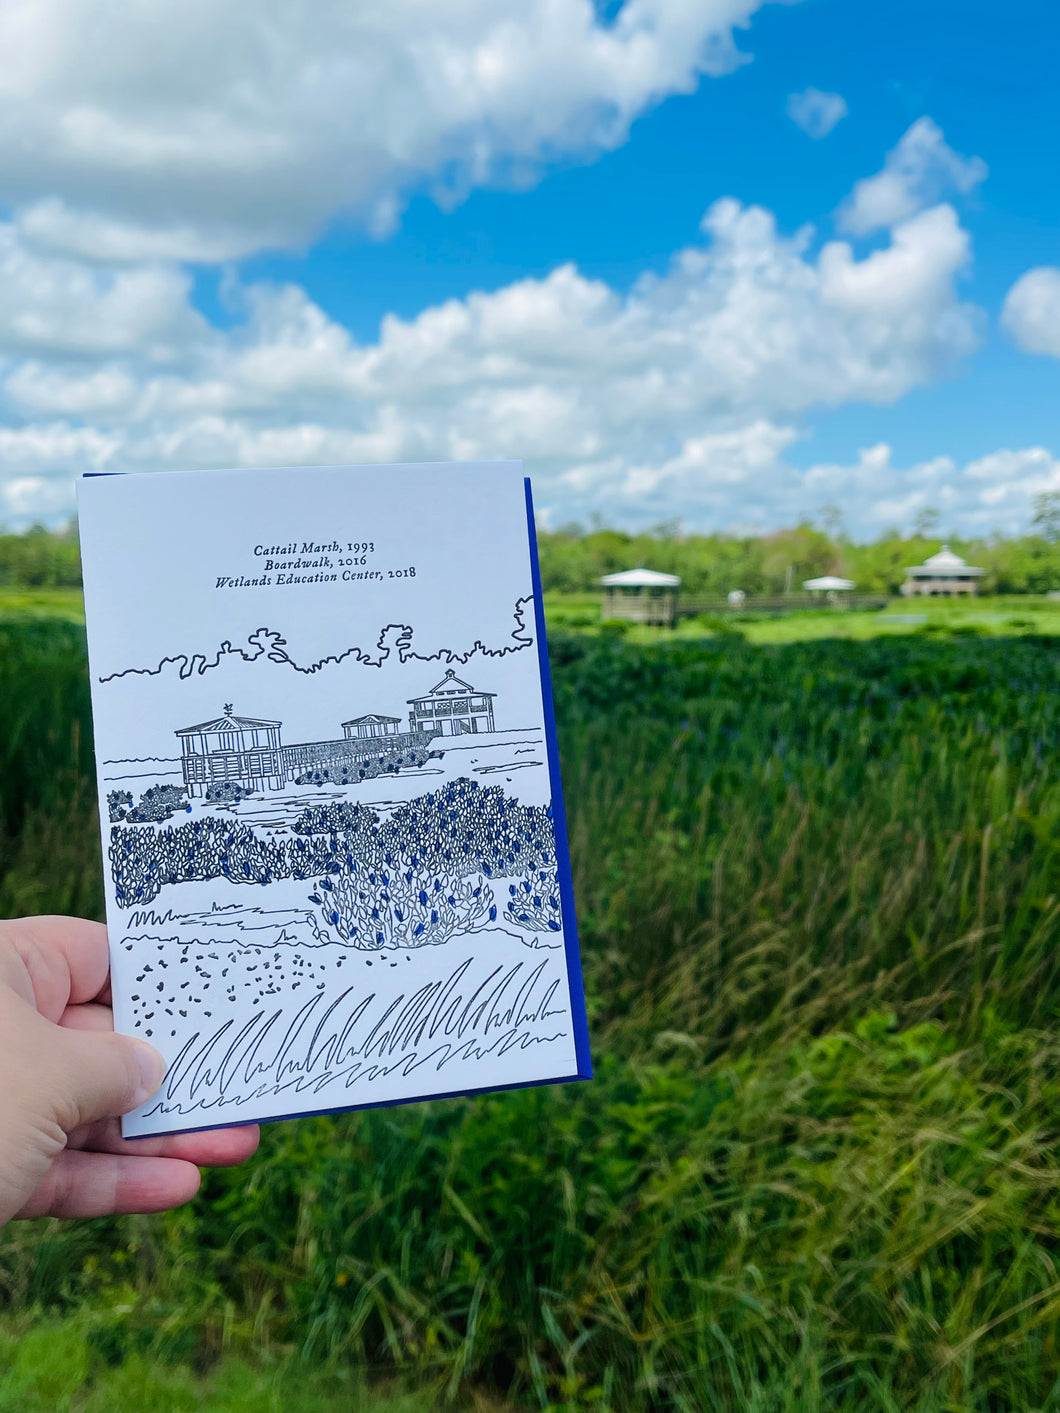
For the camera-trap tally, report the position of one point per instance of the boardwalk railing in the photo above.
(688, 605)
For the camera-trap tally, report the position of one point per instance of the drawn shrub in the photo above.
(118, 802)
(461, 828)
(250, 859)
(372, 909)
(228, 792)
(447, 835)
(533, 902)
(351, 770)
(158, 803)
(306, 857)
(467, 828)
(143, 861)
(341, 816)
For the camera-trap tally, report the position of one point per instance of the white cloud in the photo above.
(188, 129)
(815, 112)
(29, 499)
(993, 492)
(920, 171)
(58, 306)
(52, 226)
(679, 396)
(744, 480)
(134, 138)
(1031, 312)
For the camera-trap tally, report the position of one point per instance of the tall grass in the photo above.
(49, 835)
(819, 891)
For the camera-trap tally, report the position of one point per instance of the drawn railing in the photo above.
(296, 759)
(279, 764)
(219, 767)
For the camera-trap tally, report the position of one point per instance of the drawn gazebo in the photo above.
(362, 727)
(641, 595)
(452, 707)
(944, 574)
(231, 748)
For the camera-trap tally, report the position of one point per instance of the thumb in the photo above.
(105, 1075)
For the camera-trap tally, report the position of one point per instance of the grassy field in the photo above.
(52, 1365)
(819, 892)
(17, 605)
(995, 615)
(1013, 616)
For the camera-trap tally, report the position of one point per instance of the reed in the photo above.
(819, 1168)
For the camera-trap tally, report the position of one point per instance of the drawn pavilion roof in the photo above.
(228, 722)
(641, 579)
(451, 686)
(369, 718)
(944, 565)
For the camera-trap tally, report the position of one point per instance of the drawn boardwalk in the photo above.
(247, 750)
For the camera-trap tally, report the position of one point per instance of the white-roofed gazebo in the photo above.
(828, 584)
(944, 574)
(642, 596)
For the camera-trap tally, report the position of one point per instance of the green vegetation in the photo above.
(819, 1168)
(20, 604)
(995, 615)
(67, 1366)
(572, 561)
(40, 559)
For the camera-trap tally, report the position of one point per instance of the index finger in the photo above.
(66, 959)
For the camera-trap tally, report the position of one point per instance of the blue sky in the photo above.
(326, 303)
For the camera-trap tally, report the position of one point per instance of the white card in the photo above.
(335, 859)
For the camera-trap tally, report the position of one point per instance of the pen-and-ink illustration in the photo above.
(327, 790)
(395, 640)
(387, 837)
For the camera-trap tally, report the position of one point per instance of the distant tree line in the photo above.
(40, 559)
(574, 559)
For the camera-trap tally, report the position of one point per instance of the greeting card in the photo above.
(333, 836)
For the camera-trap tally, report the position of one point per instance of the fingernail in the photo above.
(152, 1069)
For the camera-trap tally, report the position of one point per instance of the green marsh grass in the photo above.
(819, 1168)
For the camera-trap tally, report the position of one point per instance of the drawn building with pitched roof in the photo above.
(247, 751)
(371, 725)
(452, 708)
(229, 748)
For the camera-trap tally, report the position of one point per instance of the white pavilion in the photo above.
(942, 575)
(641, 595)
(828, 584)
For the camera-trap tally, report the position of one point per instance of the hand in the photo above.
(65, 1077)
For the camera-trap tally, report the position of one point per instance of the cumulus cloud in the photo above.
(920, 171)
(815, 112)
(678, 396)
(200, 131)
(1031, 313)
(59, 306)
(993, 492)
